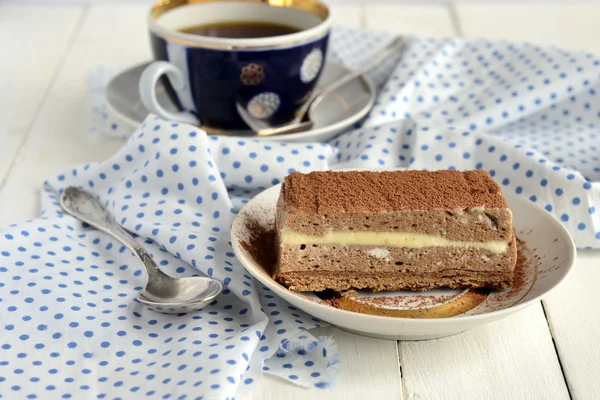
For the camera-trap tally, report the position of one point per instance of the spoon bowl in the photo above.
(162, 292)
(183, 295)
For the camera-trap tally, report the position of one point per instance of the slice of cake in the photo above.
(395, 230)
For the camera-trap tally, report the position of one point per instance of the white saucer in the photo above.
(550, 252)
(336, 113)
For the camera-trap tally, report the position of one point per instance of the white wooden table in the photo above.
(549, 351)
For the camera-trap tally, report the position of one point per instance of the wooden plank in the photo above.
(413, 19)
(59, 135)
(572, 310)
(573, 315)
(33, 41)
(572, 26)
(509, 359)
(346, 15)
(503, 359)
(369, 370)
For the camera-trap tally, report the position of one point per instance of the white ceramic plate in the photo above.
(549, 250)
(335, 114)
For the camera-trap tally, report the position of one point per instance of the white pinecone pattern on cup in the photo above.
(263, 105)
(311, 65)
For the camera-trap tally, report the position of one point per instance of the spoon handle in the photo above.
(393, 47)
(85, 207)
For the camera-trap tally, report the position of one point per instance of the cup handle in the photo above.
(147, 85)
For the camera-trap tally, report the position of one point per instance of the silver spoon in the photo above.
(298, 124)
(162, 292)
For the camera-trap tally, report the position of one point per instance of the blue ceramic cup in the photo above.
(206, 76)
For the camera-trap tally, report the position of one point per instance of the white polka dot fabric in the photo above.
(70, 325)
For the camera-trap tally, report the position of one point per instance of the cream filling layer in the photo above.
(393, 239)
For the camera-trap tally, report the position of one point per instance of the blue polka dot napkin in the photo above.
(527, 114)
(71, 327)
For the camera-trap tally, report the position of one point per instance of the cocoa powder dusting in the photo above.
(404, 301)
(519, 277)
(369, 191)
(462, 304)
(524, 277)
(261, 244)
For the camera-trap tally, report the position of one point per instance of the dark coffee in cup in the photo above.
(241, 29)
(216, 57)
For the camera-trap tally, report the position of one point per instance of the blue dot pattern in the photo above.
(527, 114)
(71, 327)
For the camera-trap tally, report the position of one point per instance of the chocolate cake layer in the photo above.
(318, 202)
(377, 282)
(335, 258)
(394, 268)
(407, 224)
